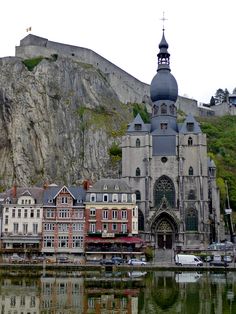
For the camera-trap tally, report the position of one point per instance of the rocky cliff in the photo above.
(59, 120)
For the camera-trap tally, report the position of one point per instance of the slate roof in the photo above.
(145, 127)
(35, 192)
(51, 192)
(190, 119)
(111, 185)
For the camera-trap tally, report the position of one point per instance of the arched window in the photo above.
(138, 172)
(155, 110)
(191, 220)
(190, 171)
(164, 188)
(140, 220)
(138, 195)
(190, 141)
(191, 195)
(138, 142)
(163, 109)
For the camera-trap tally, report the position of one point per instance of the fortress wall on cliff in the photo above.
(127, 87)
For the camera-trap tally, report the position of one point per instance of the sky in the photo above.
(200, 34)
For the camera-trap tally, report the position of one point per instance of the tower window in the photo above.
(191, 195)
(138, 172)
(164, 126)
(163, 109)
(190, 126)
(138, 195)
(190, 171)
(190, 141)
(138, 142)
(191, 220)
(138, 127)
(164, 188)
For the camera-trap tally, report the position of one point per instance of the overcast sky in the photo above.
(200, 34)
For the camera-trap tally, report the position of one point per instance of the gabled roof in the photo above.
(34, 192)
(77, 193)
(196, 127)
(145, 127)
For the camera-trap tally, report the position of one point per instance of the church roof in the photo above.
(190, 125)
(138, 125)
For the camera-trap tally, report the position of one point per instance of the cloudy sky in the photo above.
(201, 36)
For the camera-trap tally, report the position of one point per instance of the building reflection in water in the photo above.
(119, 293)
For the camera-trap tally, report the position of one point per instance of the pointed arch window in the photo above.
(191, 220)
(163, 109)
(137, 142)
(164, 189)
(191, 195)
(138, 172)
(190, 141)
(190, 171)
(138, 195)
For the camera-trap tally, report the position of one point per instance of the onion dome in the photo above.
(163, 85)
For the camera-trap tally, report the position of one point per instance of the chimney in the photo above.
(45, 185)
(87, 184)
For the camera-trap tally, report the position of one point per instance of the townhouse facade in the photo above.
(21, 223)
(63, 221)
(111, 221)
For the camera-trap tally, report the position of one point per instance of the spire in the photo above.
(163, 55)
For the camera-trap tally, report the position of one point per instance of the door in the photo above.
(160, 241)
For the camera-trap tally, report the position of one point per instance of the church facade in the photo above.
(166, 163)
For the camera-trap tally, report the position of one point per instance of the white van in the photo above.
(184, 259)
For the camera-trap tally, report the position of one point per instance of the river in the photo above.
(118, 292)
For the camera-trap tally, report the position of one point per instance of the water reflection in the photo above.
(118, 292)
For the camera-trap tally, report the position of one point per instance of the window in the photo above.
(163, 126)
(15, 228)
(163, 109)
(190, 141)
(35, 228)
(6, 220)
(190, 171)
(92, 227)
(105, 214)
(114, 227)
(124, 214)
(137, 142)
(50, 213)
(105, 187)
(25, 213)
(190, 126)
(48, 241)
(124, 198)
(105, 226)
(191, 195)
(25, 228)
(114, 197)
(63, 241)
(164, 189)
(114, 214)
(32, 213)
(138, 195)
(78, 227)
(138, 172)
(13, 213)
(49, 227)
(63, 227)
(29, 202)
(138, 127)
(64, 200)
(22, 202)
(77, 241)
(38, 213)
(93, 197)
(124, 228)
(105, 197)
(191, 220)
(64, 213)
(135, 211)
(6, 210)
(117, 187)
(92, 211)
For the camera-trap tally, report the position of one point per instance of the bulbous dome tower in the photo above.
(163, 85)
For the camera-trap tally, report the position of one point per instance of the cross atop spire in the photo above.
(163, 19)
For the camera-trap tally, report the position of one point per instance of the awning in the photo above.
(128, 240)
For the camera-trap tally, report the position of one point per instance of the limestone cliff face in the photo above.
(57, 122)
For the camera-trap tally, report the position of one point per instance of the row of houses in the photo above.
(96, 222)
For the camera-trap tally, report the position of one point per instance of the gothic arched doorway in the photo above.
(164, 230)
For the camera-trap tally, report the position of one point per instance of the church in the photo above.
(166, 163)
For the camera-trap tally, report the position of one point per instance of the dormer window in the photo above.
(114, 197)
(93, 197)
(105, 187)
(164, 126)
(50, 200)
(105, 197)
(117, 187)
(124, 198)
(190, 126)
(138, 127)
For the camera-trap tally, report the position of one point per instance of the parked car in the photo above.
(15, 258)
(135, 261)
(63, 259)
(217, 261)
(38, 259)
(222, 246)
(118, 260)
(107, 261)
